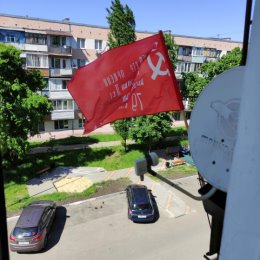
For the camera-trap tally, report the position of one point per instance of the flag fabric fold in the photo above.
(128, 81)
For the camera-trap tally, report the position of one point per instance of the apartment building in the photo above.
(58, 48)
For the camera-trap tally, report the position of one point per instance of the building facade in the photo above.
(58, 48)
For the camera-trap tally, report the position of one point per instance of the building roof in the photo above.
(67, 21)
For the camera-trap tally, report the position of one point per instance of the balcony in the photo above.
(60, 50)
(61, 72)
(59, 94)
(35, 47)
(59, 115)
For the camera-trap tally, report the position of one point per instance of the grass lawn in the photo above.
(97, 189)
(90, 139)
(178, 171)
(111, 158)
(96, 138)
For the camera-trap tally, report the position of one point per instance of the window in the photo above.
(197, 51)
(98, 44)
(218, 53)
(58, 84)
(56, 104)
(57, 63)
(81, 62)
(197, 66)
(183, 67)
(10, 38)
(35, 60)
(212, 53)
(64, 84)
(180, 51)
(81, 43)
(55, 40)
(62, 104)
(177, 116)
(63, 41)
(35, 38)
(61, 124)
(186, 51)
(81, 122)
(41, 127)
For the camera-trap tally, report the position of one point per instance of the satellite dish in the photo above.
(213, 127)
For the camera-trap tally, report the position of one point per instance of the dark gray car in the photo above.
(33, 226)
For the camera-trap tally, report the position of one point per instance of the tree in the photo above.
(21, 108)
(193, 85)
(122, 128)
(172, 48)
(194, 82)
(122, 31)
(121, 23)
(147, 129)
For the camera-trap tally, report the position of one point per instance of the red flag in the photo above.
(131, 80)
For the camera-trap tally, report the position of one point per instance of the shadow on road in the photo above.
(57, 227)
(156, 209)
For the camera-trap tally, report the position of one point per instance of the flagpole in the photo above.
(183, 113)
(4, 252)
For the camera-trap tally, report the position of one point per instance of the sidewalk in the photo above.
(76, 147)
(106, 129)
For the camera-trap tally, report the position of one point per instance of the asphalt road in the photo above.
(99, 229)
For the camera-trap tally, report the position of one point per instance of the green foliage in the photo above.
(194, 82)
(122, 128)
(21, 108)
(193, 85)
(149, 129)
(213, 68)
(172, 48)
(121, 23)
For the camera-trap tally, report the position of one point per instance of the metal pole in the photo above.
(4, 252)
(206, 196)
(246, 31)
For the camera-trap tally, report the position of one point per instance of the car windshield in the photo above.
(25, 232)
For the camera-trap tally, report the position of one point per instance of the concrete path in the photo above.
(75, 147)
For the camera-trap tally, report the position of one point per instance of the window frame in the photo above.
(98, 44)
(81, 43)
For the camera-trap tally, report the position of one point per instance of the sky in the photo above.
(202, 18)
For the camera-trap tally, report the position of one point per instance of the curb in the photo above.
(95, 198)
(82, 201)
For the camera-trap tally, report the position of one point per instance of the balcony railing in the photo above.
(59, 94)
(65, 50)
(58, 115)
(61, 72)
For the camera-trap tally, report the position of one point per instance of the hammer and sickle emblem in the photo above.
(156, 69)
